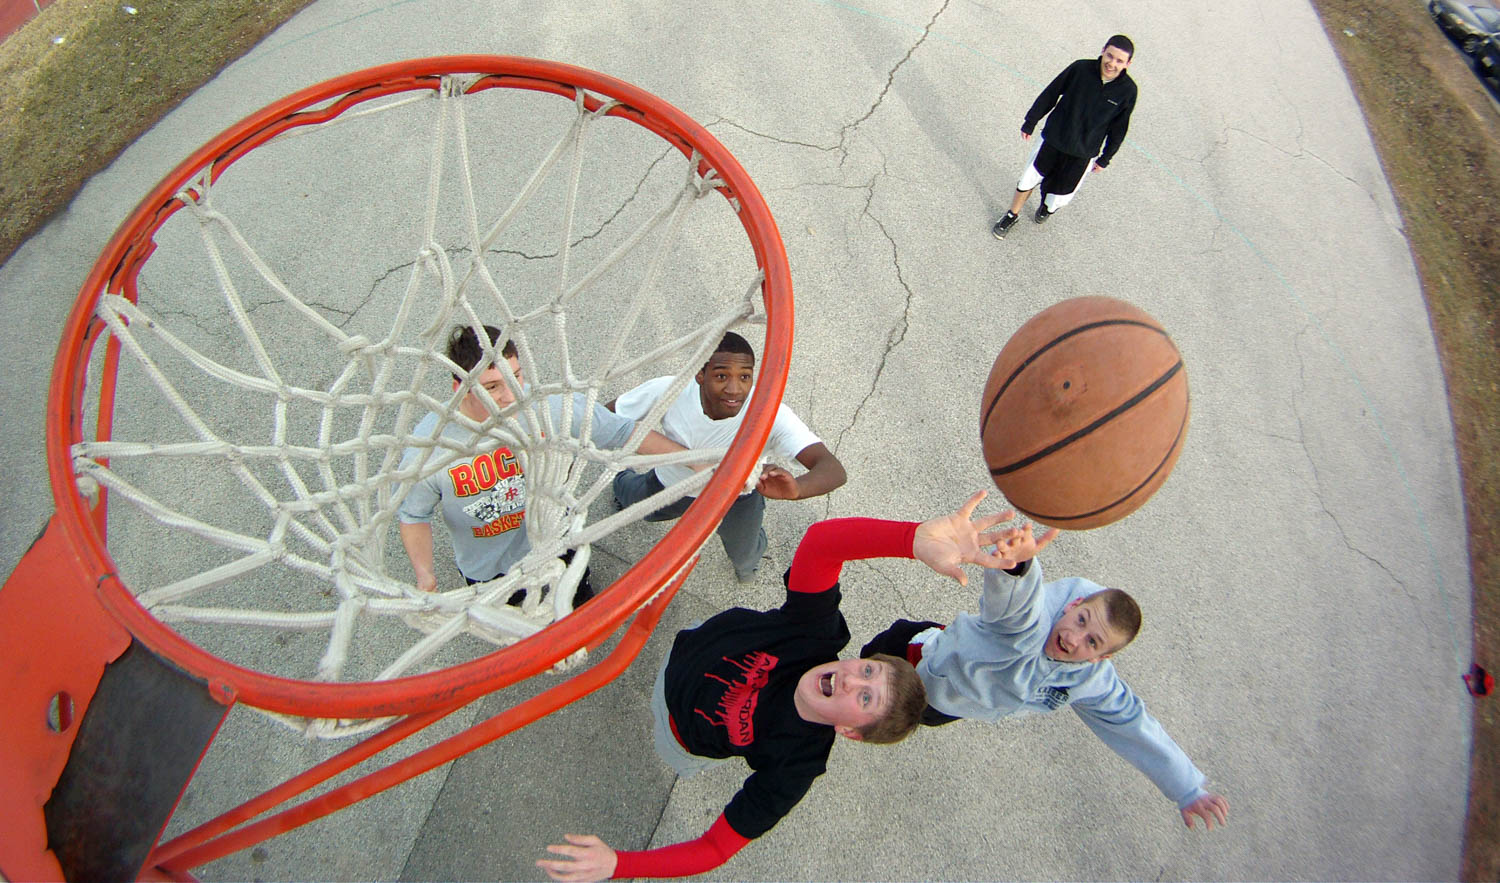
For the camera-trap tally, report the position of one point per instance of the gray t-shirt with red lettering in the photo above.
(483, 497)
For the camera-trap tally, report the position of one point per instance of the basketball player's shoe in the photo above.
(1042, 214)
(1003, 225)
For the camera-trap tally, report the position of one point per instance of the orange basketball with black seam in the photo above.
(1084, 413)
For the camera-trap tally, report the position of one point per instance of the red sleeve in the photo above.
(717, 846)
(828, 544)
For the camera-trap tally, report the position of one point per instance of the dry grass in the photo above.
(66, 110)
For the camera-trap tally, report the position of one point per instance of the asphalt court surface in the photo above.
(1303, 572)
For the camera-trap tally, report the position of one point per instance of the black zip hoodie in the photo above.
(1089, 109)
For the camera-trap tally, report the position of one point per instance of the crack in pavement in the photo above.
(1317, 492)
(603, 225)
(772, 138)
(879, 574)
(897, 333)
(1300, 153)
(464, 249)
(891, 77)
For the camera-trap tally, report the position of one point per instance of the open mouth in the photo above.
(825, 684)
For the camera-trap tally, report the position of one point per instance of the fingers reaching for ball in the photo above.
(948, 542)
(1016, 544)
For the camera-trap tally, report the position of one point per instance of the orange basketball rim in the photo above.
(66, 617)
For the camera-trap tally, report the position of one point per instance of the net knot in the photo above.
(359, 345)
(88, 486)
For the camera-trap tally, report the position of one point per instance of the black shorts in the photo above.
(1060, 171)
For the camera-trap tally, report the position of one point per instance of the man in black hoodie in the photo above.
(1087, 105)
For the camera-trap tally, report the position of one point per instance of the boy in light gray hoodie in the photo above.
(1035, 647)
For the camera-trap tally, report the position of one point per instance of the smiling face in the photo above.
(848, 694)
(491, 383)
(724, 384)
(1083, 633)
(1113, 60)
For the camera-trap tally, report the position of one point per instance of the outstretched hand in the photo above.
(1209, 807)
(947, 543)
(777, 483)
(589, 859)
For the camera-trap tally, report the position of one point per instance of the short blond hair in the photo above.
(1121, 613)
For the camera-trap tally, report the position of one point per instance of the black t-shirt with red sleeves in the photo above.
(729, 688)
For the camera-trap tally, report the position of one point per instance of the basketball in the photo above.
(1084, 413)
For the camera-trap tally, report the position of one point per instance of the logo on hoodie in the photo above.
(1052, 697)
(736, 712)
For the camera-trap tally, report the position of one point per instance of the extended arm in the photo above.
(1121, 721)
(590, 858)
(947, 543)
(828, 544)
(824, 474)
(417, 538)
(635, 404)
(944, 544)
(1208, 808)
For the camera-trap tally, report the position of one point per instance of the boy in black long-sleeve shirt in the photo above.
(768, 686)
(1087, 107)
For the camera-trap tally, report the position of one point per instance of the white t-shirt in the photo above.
(685, 423)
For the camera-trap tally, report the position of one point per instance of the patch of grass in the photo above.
(67, 109)
(1438, 135)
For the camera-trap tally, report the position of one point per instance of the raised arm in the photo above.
(944, 544)
(589, 858)
(947, 543)
(828, 544)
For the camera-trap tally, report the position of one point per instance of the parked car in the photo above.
(1469, 24)
(1488, 61)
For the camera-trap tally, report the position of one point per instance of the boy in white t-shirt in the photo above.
(707, 415)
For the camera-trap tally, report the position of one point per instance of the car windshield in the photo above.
(1488, 17)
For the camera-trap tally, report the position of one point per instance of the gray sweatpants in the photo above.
(667, 745)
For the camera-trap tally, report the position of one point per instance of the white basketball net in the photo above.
(328, 501)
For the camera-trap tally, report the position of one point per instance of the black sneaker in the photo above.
(1003, 225)
(1042, 214)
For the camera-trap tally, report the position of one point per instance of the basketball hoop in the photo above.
(331, 501)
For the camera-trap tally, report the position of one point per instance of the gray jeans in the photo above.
(744, 538)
